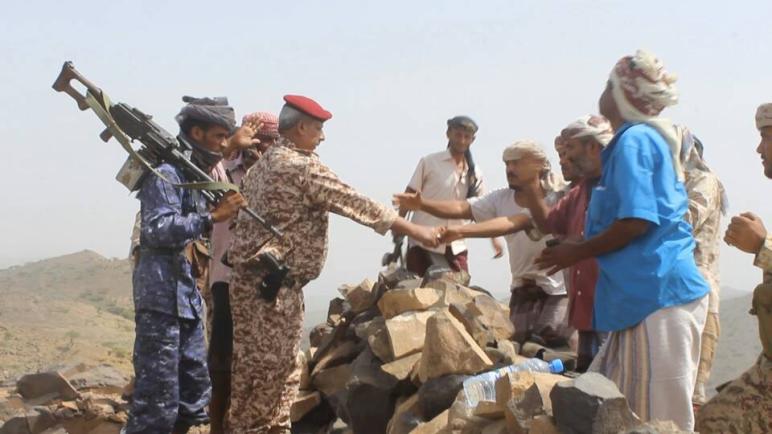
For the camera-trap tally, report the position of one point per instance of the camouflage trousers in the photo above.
(171, 388)
(266, 340)
(743, 406)
(708, 352)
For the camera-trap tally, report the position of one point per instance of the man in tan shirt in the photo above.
(446, 175)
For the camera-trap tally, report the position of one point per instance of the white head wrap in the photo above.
(550, 181)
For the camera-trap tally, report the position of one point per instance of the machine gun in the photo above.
(128, 124)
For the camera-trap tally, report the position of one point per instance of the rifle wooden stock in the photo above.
(62, 84)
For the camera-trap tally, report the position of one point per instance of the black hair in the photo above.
(187, 125)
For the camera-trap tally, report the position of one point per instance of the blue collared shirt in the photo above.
(172, 217)
(657, 269)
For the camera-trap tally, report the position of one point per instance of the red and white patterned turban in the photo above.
(270, 123)
(642, 89)
(764, 116)
(645, 85)
(594, 126)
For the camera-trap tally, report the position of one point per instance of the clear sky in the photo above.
(391, 73)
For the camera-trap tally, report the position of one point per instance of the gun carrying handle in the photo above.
(62, 84)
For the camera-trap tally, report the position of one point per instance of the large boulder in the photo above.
(591, 404)
(342, 351)
(522, 409)
(359, 297)
(452, 292)
(461, 418)
(512, 385)
(449, 349)
(96, 379)
(332, 380)
(34, 422)
(406, 332)
(370, 399)
(375, 334)
(485, 319)
(437, 394)
(395, 276)
(305, 402)
(335, 311)
(433, 426)
(399, 300)
(511, 350)
(489, 410)
(316, 421)
(406, 416)
(34, 386)
(545, 382)
(400, 369)
(319, 334)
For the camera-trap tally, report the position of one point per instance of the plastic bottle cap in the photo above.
(556, 366)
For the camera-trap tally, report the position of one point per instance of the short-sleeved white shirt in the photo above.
(437, 177)
(522, 250)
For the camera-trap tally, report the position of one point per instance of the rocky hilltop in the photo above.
(389, 355)
(73, 308)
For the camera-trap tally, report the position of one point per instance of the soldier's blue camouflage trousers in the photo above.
(171, 389)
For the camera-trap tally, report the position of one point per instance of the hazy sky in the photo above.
(390, 72)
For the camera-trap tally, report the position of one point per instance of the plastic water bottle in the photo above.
(483, 387)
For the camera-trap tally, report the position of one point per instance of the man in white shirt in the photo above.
(447, 175)
(538, 307)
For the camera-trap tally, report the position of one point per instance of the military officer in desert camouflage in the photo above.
(745, 405)
(291, 187)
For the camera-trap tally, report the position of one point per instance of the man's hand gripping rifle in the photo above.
(128, 124)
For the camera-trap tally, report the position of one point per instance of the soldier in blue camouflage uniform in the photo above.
(172, 387)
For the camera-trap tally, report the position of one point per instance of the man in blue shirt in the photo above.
(650, 294)
(172, 385)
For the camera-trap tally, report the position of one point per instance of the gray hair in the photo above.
(289, 117)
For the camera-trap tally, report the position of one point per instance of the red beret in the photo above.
(307, 106)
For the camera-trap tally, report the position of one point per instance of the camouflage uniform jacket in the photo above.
(705, 196)
(172, 217)
(294, 191)
(764, 259)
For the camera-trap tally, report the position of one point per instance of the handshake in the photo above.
(434, 236)
(428, 236)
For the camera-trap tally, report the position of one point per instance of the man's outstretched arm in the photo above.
(448, 209)
(488, 229)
